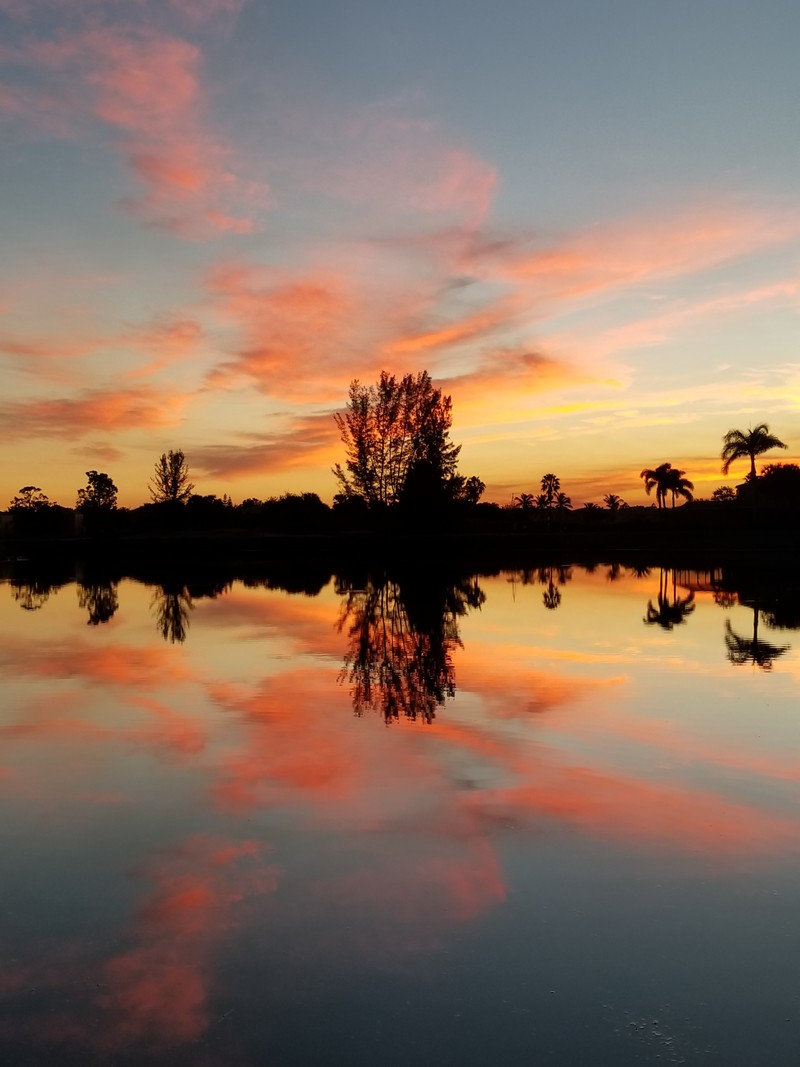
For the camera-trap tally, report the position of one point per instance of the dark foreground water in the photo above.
(549, 817)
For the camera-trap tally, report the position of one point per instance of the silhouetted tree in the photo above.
(296, 513)
(467, 490)
(100, 494)
(657, 478)
(30, 498)
(550, 488)
(723, 495)
(387, 429)
(747, 444)
(34, 514)
(170, 482)
(780, 483)
(613, 502)
(678, 485)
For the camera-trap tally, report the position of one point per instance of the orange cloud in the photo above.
(504, 372)
(618, 807)
(296, 332)
(468, 328)
(131, 666)
(309, 439)
(31, 352)
(158, 990)
(88, 411)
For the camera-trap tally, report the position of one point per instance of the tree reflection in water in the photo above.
(753, 650)
(670, 609)
(551, 577)
(100, 599)
(401, 637)
(172, 605)
(32, 595)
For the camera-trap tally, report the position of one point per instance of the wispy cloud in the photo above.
(89, 411)
(308, 440)
(143, 89)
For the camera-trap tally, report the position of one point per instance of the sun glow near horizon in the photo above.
(203, 252)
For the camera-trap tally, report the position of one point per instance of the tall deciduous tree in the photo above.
(170, 482)
(390, 429)
(738, 444)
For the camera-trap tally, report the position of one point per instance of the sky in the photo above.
(583, 220)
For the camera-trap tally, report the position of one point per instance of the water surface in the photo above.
(548, 817)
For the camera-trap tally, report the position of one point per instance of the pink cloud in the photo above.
(164, 343)
(144, 88)
(633, 251)
(296, 333)
(385, 155)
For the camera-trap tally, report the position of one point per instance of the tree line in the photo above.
(400, 465)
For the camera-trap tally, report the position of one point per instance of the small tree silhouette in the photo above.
(30, 498)
(170, 482)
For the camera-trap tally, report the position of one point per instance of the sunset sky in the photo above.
(582, 219)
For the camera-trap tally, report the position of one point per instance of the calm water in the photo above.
(547, 817)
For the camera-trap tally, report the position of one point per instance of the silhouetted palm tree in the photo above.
(738, 444)
(657, 478)
(678, 485)
(613, 502)
(551, 487)
(525, 501)
(562, 502)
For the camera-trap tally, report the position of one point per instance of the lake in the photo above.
(546, 816)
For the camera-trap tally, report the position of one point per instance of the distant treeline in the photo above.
(400, 476)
